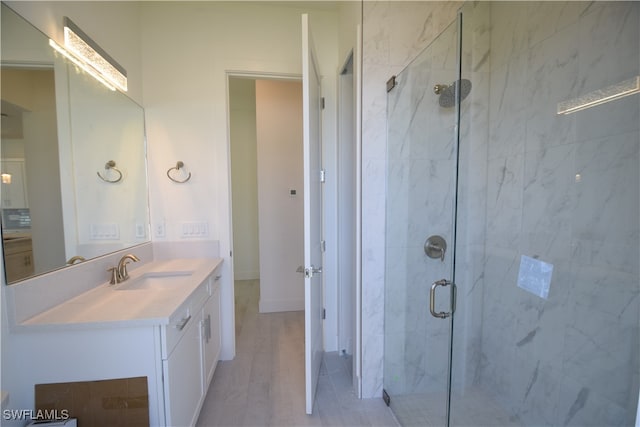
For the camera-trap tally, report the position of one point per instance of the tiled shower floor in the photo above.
(475, 408)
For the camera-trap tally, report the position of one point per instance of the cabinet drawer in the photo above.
(214, 282)
(171, 333)
(188, 313)
(17, 245)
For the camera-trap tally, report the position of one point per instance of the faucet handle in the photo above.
(114, 275)
(123, 273)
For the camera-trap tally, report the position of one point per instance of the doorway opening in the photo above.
(267, 188)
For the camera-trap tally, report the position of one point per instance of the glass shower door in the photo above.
(420, 211)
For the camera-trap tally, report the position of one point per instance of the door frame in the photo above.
(355, 114)
(254, 75)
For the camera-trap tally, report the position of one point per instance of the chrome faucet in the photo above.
(120, 273)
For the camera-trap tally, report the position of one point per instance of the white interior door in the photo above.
(312, 215)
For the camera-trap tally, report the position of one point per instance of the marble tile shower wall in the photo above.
(564, 189)
(394, 32)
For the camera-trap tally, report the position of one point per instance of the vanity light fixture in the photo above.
(81, 64)
(600, 96)
(88, 55)
(6, 178)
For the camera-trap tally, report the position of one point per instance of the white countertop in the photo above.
(106, 306)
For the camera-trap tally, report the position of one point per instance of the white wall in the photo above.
(280, 171)
(244, 180)
(43, 178)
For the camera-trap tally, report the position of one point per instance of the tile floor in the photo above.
(264, 384)
(474, 408)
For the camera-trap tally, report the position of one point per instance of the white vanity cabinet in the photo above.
(170, 336)
(191, 348)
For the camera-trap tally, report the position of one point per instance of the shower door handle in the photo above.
(432, 298)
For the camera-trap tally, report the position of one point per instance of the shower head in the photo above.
(448, 93)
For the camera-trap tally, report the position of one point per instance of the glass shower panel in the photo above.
(546, 330)
(421, 182)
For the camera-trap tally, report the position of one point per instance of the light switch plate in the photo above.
(195, 229)
(104, 231)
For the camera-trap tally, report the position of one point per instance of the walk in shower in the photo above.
(512, 285)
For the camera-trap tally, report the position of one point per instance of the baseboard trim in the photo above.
(246, 275)
(276, 306)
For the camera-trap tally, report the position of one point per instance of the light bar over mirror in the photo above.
(79, 47)
(600, 96)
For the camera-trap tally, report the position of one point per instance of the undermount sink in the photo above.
(154, 280)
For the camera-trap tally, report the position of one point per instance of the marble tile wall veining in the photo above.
(565, 189)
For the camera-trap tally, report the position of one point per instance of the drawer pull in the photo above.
(218, 277)
(207, 327)
(180, 326)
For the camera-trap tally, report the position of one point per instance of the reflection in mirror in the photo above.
(59, 128)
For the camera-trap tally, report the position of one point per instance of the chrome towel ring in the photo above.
(177, 168)
(111, 165)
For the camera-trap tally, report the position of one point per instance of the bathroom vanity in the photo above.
(18, 256)
(163, 322)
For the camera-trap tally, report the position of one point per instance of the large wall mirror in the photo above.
(73, 159)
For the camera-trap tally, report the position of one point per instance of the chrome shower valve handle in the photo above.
(435, 247)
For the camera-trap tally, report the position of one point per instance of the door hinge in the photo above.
(322, 103)
(230, 254)
(323, 175)
(386, 397)
(323, 245)
(391, 83)
(324, 313)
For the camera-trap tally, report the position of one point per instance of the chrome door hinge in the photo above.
(324, 313)
(323, 245)
(322, 103)
(323, 175)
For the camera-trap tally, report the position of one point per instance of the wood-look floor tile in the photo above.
(264, 384)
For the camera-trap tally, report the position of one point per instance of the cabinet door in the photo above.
(210, 337)
(182, 379)
(18, 265)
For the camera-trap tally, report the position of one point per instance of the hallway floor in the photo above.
(264, 384)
